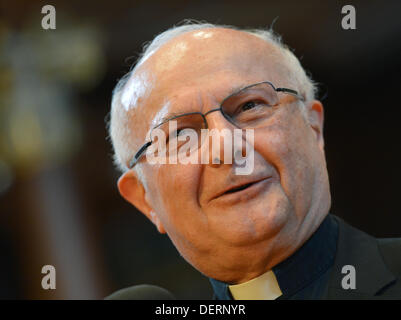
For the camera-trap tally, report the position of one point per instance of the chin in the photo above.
(251, 226)
(250, 222)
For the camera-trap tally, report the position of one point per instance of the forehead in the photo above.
(204, 65)
(199, 55)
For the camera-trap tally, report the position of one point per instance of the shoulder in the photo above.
(360, 243)
(377, 260)
(390, 249)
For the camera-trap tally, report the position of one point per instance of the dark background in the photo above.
(59, 203)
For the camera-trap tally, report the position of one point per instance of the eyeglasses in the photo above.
(248, 108)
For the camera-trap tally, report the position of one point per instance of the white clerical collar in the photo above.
(264, 287)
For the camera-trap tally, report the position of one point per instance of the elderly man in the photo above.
(267, 234)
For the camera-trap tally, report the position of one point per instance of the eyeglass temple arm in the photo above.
(290, 91)
(138, 155)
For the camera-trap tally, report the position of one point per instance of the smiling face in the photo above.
(230, 227)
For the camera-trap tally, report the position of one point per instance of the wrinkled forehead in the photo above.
(197, 66)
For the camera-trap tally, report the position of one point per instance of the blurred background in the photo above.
(59, 204)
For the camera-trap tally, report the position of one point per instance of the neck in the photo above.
(301, 268)
(271, 253)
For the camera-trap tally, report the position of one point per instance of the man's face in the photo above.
(231, 236)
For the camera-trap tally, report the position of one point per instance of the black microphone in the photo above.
(141, 292)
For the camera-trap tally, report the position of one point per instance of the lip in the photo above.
(243, 194)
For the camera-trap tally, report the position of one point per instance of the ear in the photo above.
(132, 190)
(316, 119)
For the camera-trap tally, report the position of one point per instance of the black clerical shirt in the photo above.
(306, 273)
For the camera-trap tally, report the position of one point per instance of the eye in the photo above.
(179, 132)
(252, 105)
(248, 105)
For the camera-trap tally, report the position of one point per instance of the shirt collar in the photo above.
(264, 287)
(307, 264)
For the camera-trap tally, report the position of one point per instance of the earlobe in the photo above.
(316, 120)
(157, 222)
(132, 190)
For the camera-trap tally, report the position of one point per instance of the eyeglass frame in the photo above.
(146, 145)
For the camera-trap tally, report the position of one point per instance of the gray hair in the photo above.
(119, 127)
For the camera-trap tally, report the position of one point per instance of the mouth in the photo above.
(239, 189)
(236, 189)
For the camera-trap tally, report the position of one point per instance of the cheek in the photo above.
(287, 146)
(176, 201)
(175, 197)
(176, 184)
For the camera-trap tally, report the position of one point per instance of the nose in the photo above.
(220, 146)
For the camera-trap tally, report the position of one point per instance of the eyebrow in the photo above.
(170, 115)
(237, 89)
